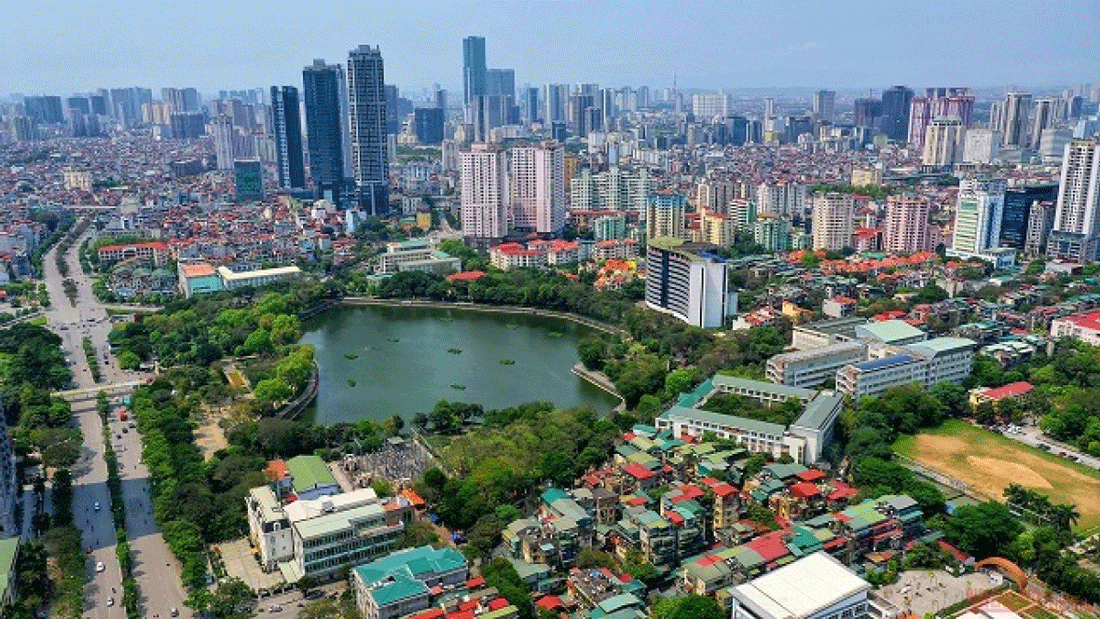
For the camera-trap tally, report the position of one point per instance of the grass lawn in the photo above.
(989, 462)
(38, 321)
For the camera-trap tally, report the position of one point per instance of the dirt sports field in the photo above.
(989, 462)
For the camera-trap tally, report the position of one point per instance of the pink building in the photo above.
(906, 224)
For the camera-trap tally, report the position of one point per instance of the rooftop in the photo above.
(819, 410)
(734, 382)
(943, 345)
(743, 423)
(199, 269)
(338, 521)
(310, 472)
(885, 362)
(890, 331)
(231, 276)
(795, 590)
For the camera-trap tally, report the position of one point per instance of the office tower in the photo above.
(531, 104)
(322, 87)
(978, 215)
(46, 109)
(24, 129)
(1014, 124)
(896, 102)
(500, 82)
(484, 184)
(1016, 217)
(796, 126)
(428, 125)
(439, 97)
(538, 188)
(474, 71)
(707, 106)
(584, 116)
(981, 145)
(769, 107)
(248, 176)
(78, 104)
(772, 232)
(906, 224)
(686, 281)
(938, 102)
(223, 131)
(367, 120)
(1077, 218)
(644, 101)
(287, 120)
(180, 99)
(1044, 117)
(867, 112)
(664, 215)
(943, 147)
(825, 105)
(98, 103)
(555, 98)
(832, 221)
(187, 125)
(487, 113)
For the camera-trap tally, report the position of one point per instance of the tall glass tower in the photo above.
(323, 85)
(287, 121)
(367, 127)
(474, 71)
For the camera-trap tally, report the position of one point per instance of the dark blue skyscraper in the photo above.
(429, 125)
(367, 120)
(474, 71)
(287, 121)
(1017, 211)
(896, 102)
(322, 87)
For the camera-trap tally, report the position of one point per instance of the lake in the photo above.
(375, 361)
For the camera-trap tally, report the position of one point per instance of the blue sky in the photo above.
(71, 46)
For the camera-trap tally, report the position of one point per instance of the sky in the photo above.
(66, 46)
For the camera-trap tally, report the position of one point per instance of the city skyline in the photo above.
(795, 47)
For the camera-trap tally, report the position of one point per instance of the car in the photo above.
(95, 506)
(110, 601)
(1072, 457)
(1043, 446)
(316, 593)
(1062, 453)
(99, 567)
(124, 430)
(175, 612)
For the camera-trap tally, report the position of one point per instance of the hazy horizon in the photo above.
(799, 45)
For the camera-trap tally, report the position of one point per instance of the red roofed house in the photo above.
(465, 276)
(1084, 327)
(839, 307)
(643, 478)
(995, 395)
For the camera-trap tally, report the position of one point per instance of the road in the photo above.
(161, 589)
(1033, 436)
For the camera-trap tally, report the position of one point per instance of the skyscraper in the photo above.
(832, 221)
(500, 82)
(484, 183)
(943, 146)
(474, 71)
(978, 215)
(367, 120)
(938, 102)
(555, 98)
(428, 125)
(322, 87)
(1044, 118)
(287, 121)
(896, 102)
(906, 224)
(1017, 212)
(1017, 108)
(222, 127)
(538, 187)
(1077, 216)
(824, 105)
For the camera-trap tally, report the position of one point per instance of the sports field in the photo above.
(989, 462)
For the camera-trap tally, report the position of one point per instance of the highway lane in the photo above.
(156, 571)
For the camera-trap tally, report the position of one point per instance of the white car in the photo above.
(99, 567)
(110, 601)
(95, 506)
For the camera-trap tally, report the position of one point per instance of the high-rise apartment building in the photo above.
(935, 103)
(978, 214)
(867, 112)
(824, 105)
(896, 102)
(367, 126)
(714, 194)
(474, 71)
(943, 147)
(832, 220)
(287, 121)
(1045, 111)
(538, 188)
(616, 189)
(323, 88)
(555, 99)
(711, 105)
(906, 224)
(1014, 121)
(981, 145)
(772, 232)
(686, 281)
(1040, 221)
(1077, 218)
(484, 185)
(224, 134)
(664, 215)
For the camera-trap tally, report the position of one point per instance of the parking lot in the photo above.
(239, 563)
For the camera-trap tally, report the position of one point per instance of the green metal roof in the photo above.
(784, 391)
(943, 345)
(818, 411)
(890, 331)
(9, 549)
(405, 565)
(398, 590)
(310, 472)
(743, 423)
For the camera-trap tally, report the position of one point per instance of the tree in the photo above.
(983, 530)
(592, 351)
(688, 607)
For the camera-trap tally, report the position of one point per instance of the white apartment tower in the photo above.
(906, 224)
(538, 188)
(224, 133)
(1078, 208)
(832, 220)
(484, 182)
(943, 143)
(1014, 124)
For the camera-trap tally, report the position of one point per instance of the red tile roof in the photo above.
(498, 604)
(804, 490)
(810, 475)
(638, 472)
(467, 276)
(475, 583)
(770, 546)
(1010, 390)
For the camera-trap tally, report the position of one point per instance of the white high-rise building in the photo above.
(484, 182)
(981, 145)
(943, 142)
(978, 215)
(538, 187)
(224, 134)
(832, 220)
(711, 105)
(1077, 215)
(1044, 117)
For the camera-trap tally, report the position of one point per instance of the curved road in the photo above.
(155, 569)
